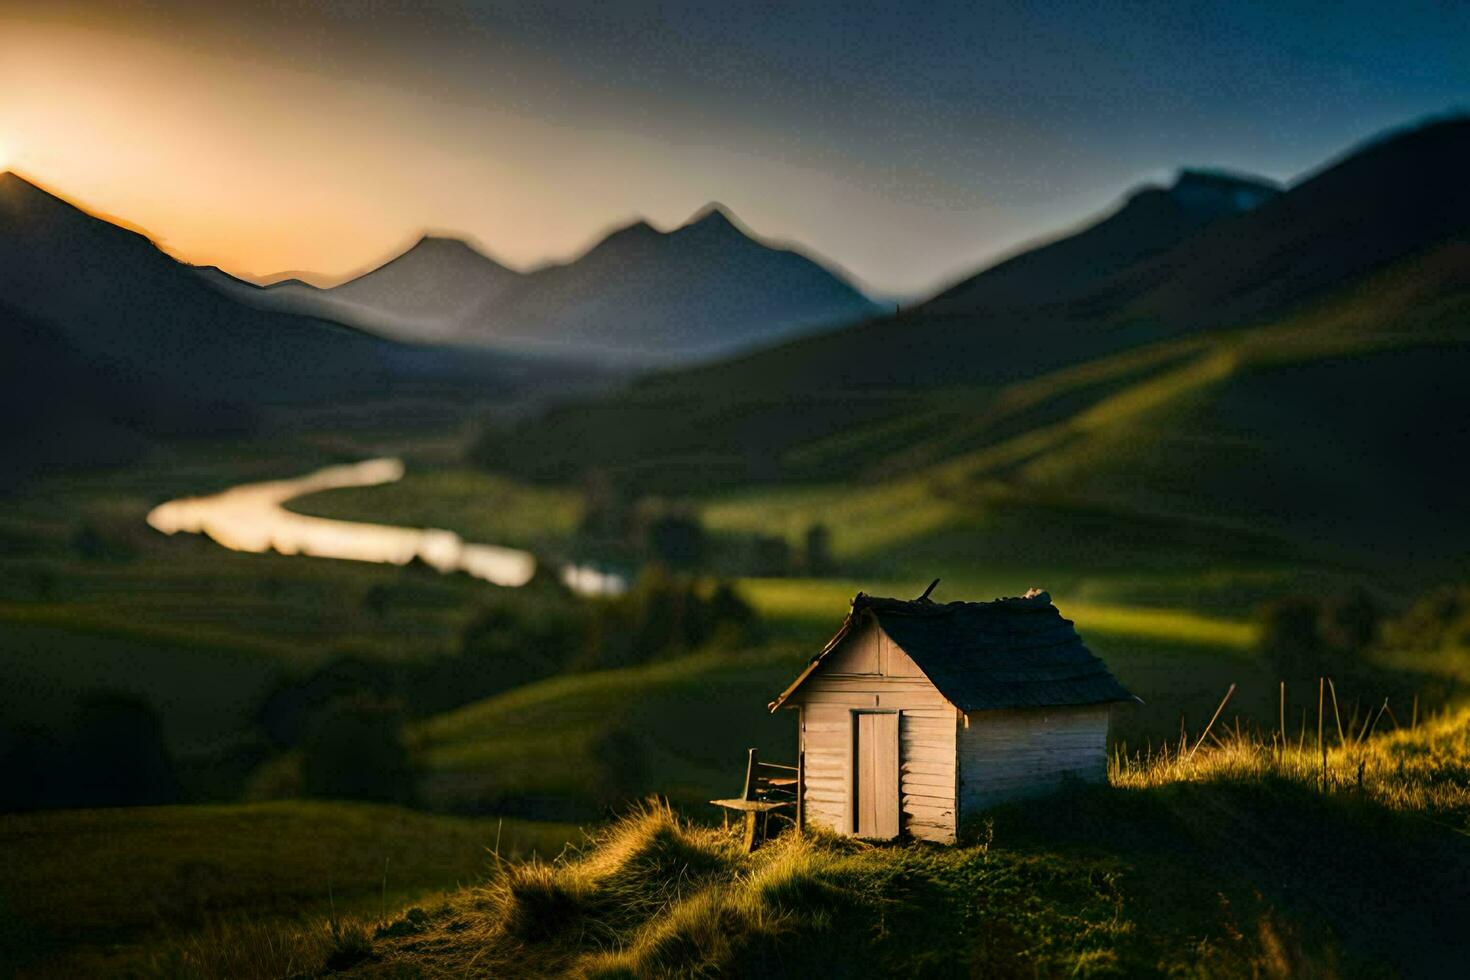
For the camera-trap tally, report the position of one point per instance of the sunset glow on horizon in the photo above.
(322, 141)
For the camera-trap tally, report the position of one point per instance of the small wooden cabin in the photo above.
(918, 714)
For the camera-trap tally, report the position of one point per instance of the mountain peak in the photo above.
(714, 224)
(440, 249)
(1221, 191)
(712, 215)
(441, 241)
(633, 230)
(13, 183)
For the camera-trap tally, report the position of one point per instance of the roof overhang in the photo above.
(811, 666)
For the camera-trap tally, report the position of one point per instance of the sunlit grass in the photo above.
(1424, 770)
(1181, 626)
(1046, 887)
(827, 600)
(652, 895)
(863, 520)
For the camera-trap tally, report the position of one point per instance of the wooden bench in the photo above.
(763, 795)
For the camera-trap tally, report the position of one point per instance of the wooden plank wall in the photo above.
(1007, 755)
(869, 672)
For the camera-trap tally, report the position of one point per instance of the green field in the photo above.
(200, 633)
(108, 890)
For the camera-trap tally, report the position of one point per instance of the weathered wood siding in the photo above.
(870, 672)
(1007, 755)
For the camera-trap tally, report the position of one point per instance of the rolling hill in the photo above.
(1149, 221)
(194, 868)
(58, 408)
(640, 295)
(1301, 352)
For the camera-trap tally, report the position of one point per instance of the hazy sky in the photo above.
(906, 142)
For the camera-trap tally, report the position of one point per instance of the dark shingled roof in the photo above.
(1009, 653)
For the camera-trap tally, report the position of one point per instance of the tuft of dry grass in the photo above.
(650, 894)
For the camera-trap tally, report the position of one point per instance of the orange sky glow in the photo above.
(262, 168)
(324, 137)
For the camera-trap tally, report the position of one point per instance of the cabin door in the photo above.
(875, 774)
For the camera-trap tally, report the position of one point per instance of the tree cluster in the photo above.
(1304, 637)
(113, 754)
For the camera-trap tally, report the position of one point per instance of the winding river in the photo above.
(252, 517)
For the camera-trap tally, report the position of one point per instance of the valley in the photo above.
(1223, 425)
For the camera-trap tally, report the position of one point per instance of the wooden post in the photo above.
(749, 775)
(1281, 712)
(1414, 719)
(1321, 745)
(800, 792)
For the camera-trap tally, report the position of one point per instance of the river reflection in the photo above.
(251, 517)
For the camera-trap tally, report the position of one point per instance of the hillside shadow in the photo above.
(1327, 883)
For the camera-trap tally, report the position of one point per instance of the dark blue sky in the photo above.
(906, 142)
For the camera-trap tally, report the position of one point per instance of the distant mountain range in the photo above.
(109, 343)
(1219, 351)
(137, 313)
(705, 289)
(1388, 199)
(1031, 363)
(428, 294)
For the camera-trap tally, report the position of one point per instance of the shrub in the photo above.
(1440, 621)
(674, 538)
(119, 756)
(537, 903)
(818, 551)
(519, 645)
(355, 751)
(664, 615)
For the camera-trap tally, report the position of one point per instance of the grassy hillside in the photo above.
(937, 367)
(1236, 862)
(1253, 453)
(572, 745)
(105, 890)
(1263, 446)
